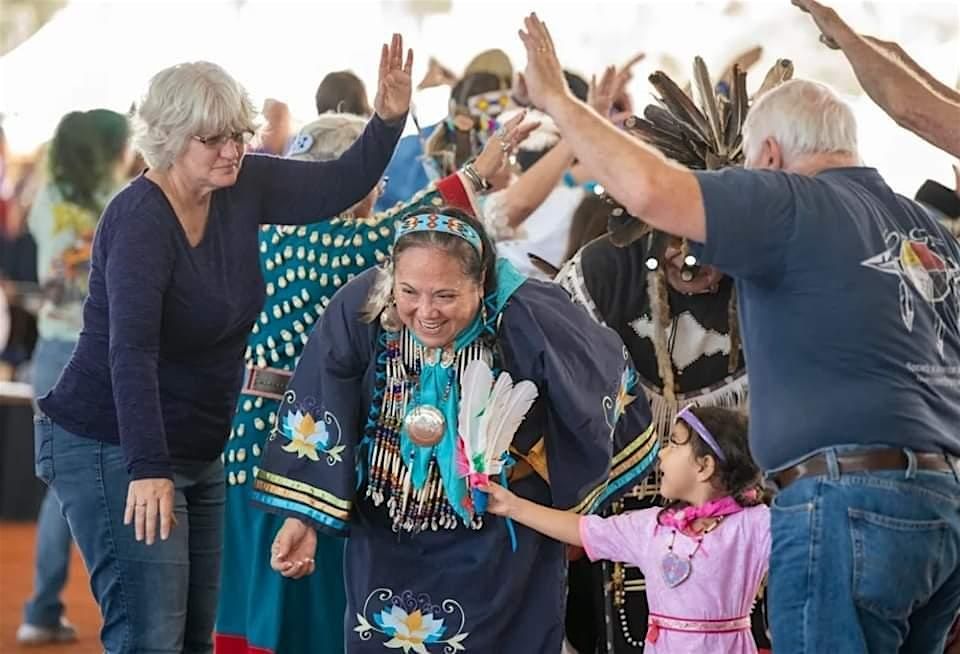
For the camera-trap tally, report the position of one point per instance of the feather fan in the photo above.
(490, 414)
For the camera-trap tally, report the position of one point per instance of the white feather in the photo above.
(474, 396)
(498, 398)
(509, 405)
(506, 421)
(490, 414)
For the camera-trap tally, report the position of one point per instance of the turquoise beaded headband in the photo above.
(438, 222)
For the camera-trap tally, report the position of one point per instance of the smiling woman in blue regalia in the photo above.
(393, 417)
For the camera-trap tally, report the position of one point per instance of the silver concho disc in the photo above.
(425, 425)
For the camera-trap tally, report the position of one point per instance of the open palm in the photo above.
(395, 84)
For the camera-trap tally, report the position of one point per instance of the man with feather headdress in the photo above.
(677, 318)
(849, 306)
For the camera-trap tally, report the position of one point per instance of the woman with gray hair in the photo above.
(304, 266)
(130, 438)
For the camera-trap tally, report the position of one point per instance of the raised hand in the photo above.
(622, 102)
(543, 76)
(828, 21)
(496, 152)
(394, 85)
(602, 93)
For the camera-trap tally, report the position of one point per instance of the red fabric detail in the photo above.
(653, 632)
(454, 194)
(223, 644)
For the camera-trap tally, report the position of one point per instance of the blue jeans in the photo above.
(160, 598)
(52, 560)
(865, 562)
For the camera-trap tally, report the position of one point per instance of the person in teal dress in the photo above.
(261, 612)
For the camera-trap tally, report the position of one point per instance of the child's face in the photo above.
(680, 472)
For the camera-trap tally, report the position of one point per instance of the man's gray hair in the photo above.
(804, 118)
(187, 100)
(328, 137)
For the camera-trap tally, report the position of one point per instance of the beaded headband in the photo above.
(687, 416)
(438, 222)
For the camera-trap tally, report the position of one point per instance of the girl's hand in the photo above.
(563, 526)
(502, 502)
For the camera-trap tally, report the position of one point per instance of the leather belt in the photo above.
(886, 459)
(266, 382)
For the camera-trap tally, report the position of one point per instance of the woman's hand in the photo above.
(150, 500)
(502, 501)
(496, 152)
(611, 89)
(294, 549)
(394, 85)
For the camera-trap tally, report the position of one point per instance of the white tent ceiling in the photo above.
(102, 52)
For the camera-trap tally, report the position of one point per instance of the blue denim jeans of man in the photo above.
(155, 599)
(866, 561)
(52, 561)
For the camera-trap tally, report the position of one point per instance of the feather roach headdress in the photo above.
(702, 130)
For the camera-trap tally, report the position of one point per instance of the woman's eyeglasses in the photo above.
(240, 138)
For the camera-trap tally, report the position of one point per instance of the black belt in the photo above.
(886, 459)
(266, 382)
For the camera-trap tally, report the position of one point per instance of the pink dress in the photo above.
(723, 583)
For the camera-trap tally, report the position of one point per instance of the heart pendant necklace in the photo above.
(676, 569)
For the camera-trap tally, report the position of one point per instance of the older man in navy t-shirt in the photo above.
(849, 302)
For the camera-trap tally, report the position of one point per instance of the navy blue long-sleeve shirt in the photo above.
(159, 363)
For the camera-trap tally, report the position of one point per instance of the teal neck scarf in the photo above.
(438, 386)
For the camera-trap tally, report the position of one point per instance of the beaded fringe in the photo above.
(389, 481)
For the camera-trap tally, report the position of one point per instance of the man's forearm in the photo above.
(903, 93)
(895, 52)
(665, 196)
(619, 162)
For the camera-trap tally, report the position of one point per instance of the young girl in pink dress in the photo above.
(704, 556)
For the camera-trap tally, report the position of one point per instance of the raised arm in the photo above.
(904, 90)
(522, 198)
(665, 195)
(301, 192)
(534, 186)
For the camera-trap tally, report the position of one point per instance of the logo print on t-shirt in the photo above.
(931, 275)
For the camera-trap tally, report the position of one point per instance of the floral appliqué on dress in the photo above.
(614, 408)
(308, 436)
(412, 622)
